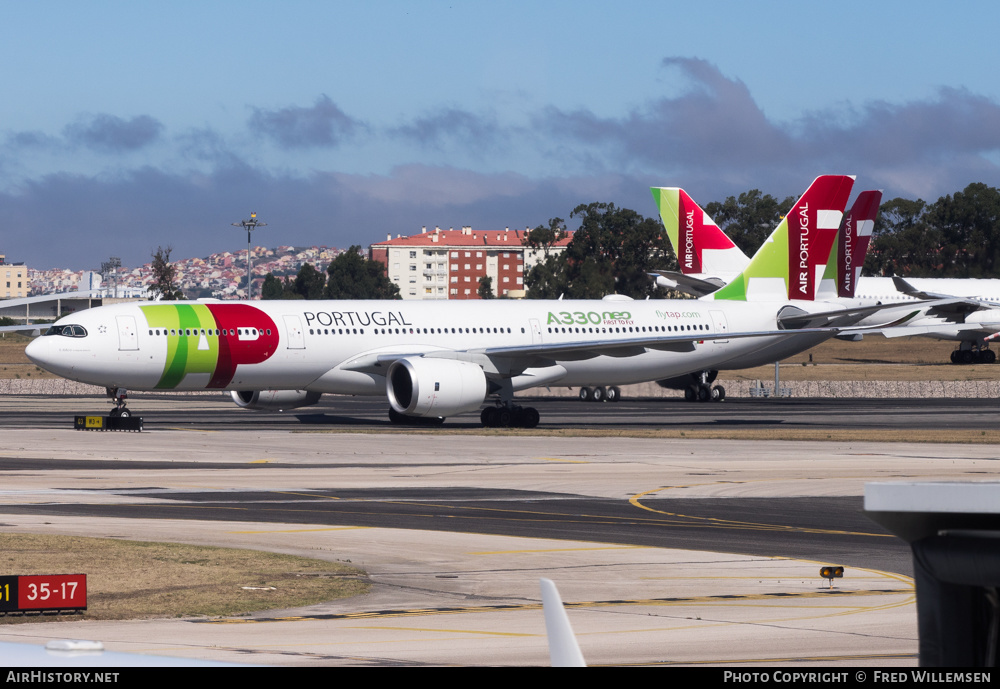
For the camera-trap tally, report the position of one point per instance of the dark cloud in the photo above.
(716, 131)
(711, 138)
(76, 221)
(713, 124)
(113, 134)
(453, 126)
(324, 125)
(29, 140)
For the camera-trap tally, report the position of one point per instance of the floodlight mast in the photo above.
(250, 225)
(110, 268)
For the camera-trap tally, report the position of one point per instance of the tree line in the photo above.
(349, 276)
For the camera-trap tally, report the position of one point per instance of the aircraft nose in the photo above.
(43, 353)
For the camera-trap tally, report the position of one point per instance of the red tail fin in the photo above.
(852, 243)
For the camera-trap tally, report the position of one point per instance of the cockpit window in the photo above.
(67, 330)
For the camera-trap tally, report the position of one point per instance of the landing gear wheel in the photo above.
(704, 393)
(986, 356)
(504, 417)
(395, 417)
(599, 394)
(690, 393)
(118, 397)
(718, 393)
(614, 393)
(529, 417)
(489, 417)
(966, 356)
(585, 395)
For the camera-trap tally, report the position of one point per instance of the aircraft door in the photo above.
(293, 332)
(128, 339)
(536, 331)
(719, 323)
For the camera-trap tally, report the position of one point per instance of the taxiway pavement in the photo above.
(666, 551)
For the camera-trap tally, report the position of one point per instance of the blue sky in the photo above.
(129, 125)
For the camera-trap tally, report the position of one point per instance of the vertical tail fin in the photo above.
(790, 264)
(853, 240)
(848, 253)
(701, 247)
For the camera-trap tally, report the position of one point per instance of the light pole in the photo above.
(110, 268)
(250, 225)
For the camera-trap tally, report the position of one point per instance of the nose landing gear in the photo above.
(118, 397)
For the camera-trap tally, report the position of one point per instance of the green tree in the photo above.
(352, 276)
(485, 290)
(902, 242)
(164, 275)
(614, 251)
(272, 288)
(750, 218)
(309, 283)
(544, 237)
(969, 227)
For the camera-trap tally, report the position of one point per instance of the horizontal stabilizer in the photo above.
(696, 287)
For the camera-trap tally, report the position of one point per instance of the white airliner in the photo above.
(432, 360)
(708, 260)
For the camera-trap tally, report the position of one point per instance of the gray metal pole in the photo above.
(250, 225)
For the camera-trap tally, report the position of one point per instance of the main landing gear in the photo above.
(704, 391)
(118, 397)
(973, 353)
(506, 415)
(600, 394)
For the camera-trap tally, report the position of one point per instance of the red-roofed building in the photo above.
(448, 264)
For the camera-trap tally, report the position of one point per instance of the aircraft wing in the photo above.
(512, 360)
(570, 351)
(906, 288)
(29, 329)
(792, 317)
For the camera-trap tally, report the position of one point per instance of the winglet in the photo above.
(791, 262)
(700, 246)
(563, 649)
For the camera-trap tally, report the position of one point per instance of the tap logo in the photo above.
(211, 338)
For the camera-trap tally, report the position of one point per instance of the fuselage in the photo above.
(334, 346)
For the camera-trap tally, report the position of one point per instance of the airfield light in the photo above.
(249, 225)
(830, 573)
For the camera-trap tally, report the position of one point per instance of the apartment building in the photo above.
(448, 264)
(13, 279)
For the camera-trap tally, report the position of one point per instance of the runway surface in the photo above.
(216, 412)
(668, 550)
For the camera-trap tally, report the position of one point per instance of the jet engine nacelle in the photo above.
(418, 386)
(274, 400)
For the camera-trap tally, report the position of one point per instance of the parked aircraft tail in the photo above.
(850, 247)
(853, 240)
(700, 245)
(790, 263)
